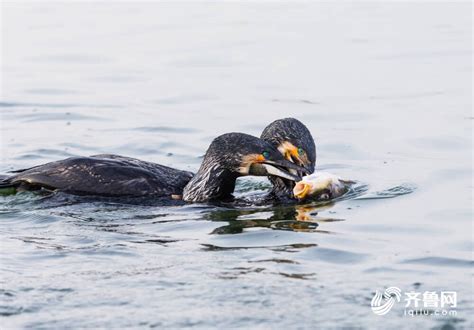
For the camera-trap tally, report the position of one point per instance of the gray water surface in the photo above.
(384, 88)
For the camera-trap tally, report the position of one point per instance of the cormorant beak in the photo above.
(290, 152)
(280, 168)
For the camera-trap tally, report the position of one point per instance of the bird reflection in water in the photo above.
(298, 218)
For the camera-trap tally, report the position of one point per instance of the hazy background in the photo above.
(385, 88)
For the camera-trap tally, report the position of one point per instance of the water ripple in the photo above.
(392, 192)
(440, 262)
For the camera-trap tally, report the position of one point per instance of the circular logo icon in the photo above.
(383, 303)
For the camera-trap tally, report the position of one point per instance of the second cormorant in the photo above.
(295, 142)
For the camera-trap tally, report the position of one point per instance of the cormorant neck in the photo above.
(210, 183)
(282, 189)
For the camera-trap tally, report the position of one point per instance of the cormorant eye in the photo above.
(300, 151)
(266, 154)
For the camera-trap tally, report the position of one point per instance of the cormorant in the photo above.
(295, 142)
(228, 157)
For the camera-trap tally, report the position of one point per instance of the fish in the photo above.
(321, 186)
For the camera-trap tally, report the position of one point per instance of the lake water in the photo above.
(384, 88)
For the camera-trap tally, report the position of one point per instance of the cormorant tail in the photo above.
(22, 169)
(7, 188)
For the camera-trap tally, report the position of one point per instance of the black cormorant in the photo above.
(228, 157)
(295, 142)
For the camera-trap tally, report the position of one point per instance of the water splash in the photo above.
(400, 190)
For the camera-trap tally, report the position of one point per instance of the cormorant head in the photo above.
(293, 140)
(233, 155)
(295, 143)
